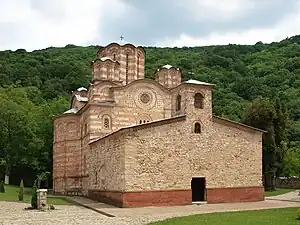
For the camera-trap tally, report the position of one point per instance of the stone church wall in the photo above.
(67, 150)
(238, 151)
(166, 157)
(106, 160)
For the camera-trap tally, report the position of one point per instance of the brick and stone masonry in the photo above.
(132, 142)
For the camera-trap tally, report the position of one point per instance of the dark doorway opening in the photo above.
(198, 189)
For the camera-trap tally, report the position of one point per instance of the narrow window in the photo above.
(198, 101)
(106, 123)
(138, 65)
(85, 129)
(114, 57)
(178, 103)
(84, 164)
(96, 177)
(197, 128)
(144, 121)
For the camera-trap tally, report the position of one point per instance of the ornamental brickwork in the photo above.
(131, 141)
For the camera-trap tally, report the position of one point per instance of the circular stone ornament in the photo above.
(145, 98)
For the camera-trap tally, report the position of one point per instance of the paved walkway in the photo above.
(14, 213)
(290, 196)
(198, 209)
(171, 211)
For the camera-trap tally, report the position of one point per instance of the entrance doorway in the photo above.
(198, 189)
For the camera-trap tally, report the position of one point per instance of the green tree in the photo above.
(2, 189)
(44, 117)
(272, 117)
(19, 143)
(292, 162)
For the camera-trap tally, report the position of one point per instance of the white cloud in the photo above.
(35, 24)
(287, 27)
(216, 10)
(55, 23)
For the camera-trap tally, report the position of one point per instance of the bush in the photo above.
(34, 199)
(298, 214)
(2, 189)
(21, 192)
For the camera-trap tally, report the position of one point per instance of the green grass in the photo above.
(11, 194)
(278, 191)
(285, 216)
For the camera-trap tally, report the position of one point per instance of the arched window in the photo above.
(197, 128)
(114, 57)
(198, 101)
(106, 122)
(178, 103)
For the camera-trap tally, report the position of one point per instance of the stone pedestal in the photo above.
(42, 199)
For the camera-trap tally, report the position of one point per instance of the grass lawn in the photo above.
(278, 191)
(11, 194)
(285, 216)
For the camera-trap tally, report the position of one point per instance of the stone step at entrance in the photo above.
(199, 203)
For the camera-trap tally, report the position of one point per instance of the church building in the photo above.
(130, 141)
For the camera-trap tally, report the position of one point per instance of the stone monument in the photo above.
(42, 199)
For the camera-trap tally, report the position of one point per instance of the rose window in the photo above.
(145, 98)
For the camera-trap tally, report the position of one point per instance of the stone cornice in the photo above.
(144, 126)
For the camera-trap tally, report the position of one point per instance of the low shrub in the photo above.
(34, 199)
(298, 214)
(21, 192)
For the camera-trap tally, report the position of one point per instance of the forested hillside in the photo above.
(35, 86)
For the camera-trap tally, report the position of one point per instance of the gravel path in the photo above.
(14, 213)
(290, 196)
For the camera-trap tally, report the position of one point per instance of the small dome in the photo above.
(82, 89)
(71, 111)
(191, 81)
(167, 66)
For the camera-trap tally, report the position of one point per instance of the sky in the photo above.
(38, 24)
